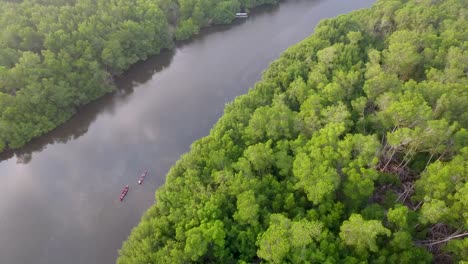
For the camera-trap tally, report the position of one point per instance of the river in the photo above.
(59, 195)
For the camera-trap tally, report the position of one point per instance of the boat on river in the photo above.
(241, 15)
(142, 177)
(124, 192)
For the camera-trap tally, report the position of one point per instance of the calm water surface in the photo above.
(59, 199)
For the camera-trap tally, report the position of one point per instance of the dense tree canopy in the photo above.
(352, 148)
(56, 55)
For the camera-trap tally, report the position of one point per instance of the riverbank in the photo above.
(68, 182)
(86, 114)
(56, 67)
(351, 148)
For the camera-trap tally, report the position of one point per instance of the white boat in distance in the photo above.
(241, 15)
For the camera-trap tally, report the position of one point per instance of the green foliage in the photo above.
(225, 12)
(399, 216)
(186, 29)
(57, 55)
(459, 249)
(362, 234)
(200, 238)
(247, 208)
(352, 148)
(284, 235)
(443, 189)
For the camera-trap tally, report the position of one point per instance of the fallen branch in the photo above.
(431, 243)
(408, 189)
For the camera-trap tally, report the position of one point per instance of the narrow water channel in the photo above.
(59, 195)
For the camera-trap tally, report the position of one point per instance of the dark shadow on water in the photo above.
(142, 71)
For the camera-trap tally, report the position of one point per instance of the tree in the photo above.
(405, 110)
(402, 57)
(274, 243)
(247, 208)
(284, 235)
(316, 170)
(199, 239)
(362, 234)
(186, 29)
(225, 11)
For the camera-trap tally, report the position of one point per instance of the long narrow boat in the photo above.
(142, 177)
(124, 192)
(241, 15)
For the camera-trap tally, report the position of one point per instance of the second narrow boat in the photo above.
(124, 192)
(142, 177)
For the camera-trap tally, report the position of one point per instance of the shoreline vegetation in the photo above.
(352, 148)
(59, 55)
